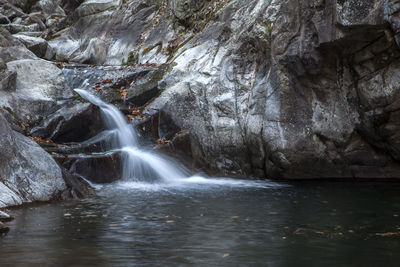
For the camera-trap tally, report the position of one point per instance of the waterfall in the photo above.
(146, 170)
(137, 164)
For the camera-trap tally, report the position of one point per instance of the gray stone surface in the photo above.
(37, 45)
(40, 88)
(27, 172)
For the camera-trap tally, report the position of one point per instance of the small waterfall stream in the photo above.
(137, 164)
(147, 170)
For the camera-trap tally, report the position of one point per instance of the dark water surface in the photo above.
(260, 224)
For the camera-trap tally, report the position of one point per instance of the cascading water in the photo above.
(146, 170)
(137, 164)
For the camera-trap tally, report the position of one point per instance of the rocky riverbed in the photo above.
(263, 88)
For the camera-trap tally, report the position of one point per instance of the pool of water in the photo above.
(212, 223)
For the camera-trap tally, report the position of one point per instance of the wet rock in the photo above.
(179, 147)
(97, 168)
(75, 122)
(77, 187)
(27, 172)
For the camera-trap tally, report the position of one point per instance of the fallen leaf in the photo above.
(107, 81)
(123, 94)
(129, 118)
(163, 141)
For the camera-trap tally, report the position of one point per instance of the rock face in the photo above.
(279, 93)
(279, 89)
(27, 172)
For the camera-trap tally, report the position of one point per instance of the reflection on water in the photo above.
(212, 224)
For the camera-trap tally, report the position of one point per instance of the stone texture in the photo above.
(37, 45)
(75, 122)
(97, 168)
(40, 88)
(27, 172)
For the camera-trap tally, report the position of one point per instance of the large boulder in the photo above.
(27, 172)
(39, 92)
(12, 49)
(37, 45)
